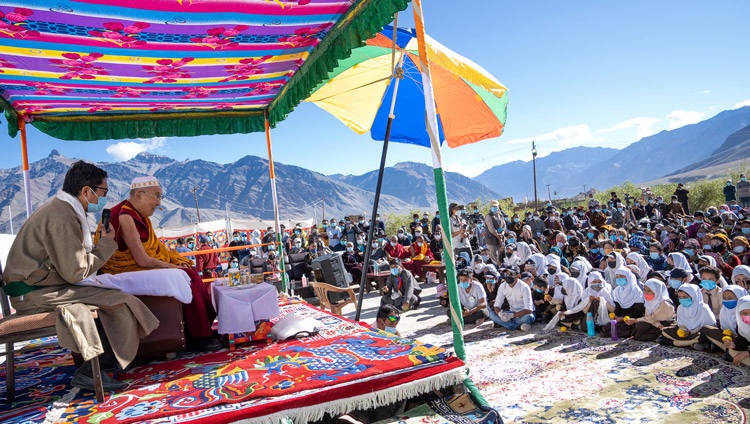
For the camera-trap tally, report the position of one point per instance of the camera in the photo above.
(628, 198)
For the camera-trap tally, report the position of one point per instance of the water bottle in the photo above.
(304, 281)
(590, 324)
(613, 332)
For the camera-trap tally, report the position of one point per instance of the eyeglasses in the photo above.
(394, 318)
(158, 197)
(106, 189)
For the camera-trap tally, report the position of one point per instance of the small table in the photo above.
(438, 269)
(238, 308)
(379, 278)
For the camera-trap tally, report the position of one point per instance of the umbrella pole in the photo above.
(397, 75)
(272, 174)
(457, 321)
(25, 160)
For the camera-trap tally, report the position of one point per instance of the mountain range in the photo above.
(716, 141)
(241, 189)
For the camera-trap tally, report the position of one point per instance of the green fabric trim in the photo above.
(18, 288)
(362, 22)
(475, 392)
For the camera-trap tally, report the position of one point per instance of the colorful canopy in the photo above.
(471, 103)
(109, 69)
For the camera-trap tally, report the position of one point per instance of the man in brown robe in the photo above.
(53, 251)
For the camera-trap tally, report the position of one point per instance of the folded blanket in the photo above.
(153, 282)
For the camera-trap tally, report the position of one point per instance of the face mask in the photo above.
(325, 226)
(746, 231)
(374, 245)
(674, 283)
(688, 302)
(478, 267)
(235, 265)
(236, 239)
(517, 220)
(419, 244)
(391, 330)
(490, 282)
(464, 284)
(729, 304)
(619, 209)
(596, 287)
(350, 249)
(746, 320)
(611, 264)
(689, 252)
(539, 290)
(393, 243)
(649, 297)
(511, 241)
(622, 282)
(718, 247)
(191, 245)
(210, 238)
(244, 237)
(653, 255)
(581, 214)
(313, 251)
(707, 247)
(485, 258)
(297, 245)
(590, 236)
(271, 257)
(648, 238)
(99, 205)
(395, 271)
(708, 284)
(597, 210)
(739, 249)
(595, 251)
(493, 209)
(560, 244)
(613, 238)
(574, 273)
(417, 234)
(510, 279)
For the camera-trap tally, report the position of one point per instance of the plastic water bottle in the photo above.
(590, 324)
(613, 332)
(304, 281)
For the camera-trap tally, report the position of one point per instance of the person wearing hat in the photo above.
(138, 249)
(495, 225)
(730, 191)
(721, 250)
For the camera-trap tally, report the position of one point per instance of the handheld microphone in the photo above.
(105, 219)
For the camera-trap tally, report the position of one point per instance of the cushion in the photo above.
(18, 323)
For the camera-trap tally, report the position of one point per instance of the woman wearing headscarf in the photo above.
(678, 260)
(692, 315)
(540, 264)
(644, 271)
(629, 302)
(741, 276)
(727, 316)
(580, 269)
(595, 298)
(741, 248)
(659, 312)
(571, 291)
(554, 250)
(523, 251)
(613, 262)
(511, 258)
(739, 345)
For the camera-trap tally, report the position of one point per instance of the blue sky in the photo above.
(583, 73)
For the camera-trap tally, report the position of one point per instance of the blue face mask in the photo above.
(464, 284)
(689, 252)
(191, 245)
(746, 231)
(511, 241)
(493, 209)
(490, 282)
(595, 251)
(590, 236)
(395, 271)
(391, 330)
(653, 255)
(96, 207)
(539, 290)
(729, 304)
(708, 284)
(675, 284)
(517, 220)
(688, 302)
(613, 238)
(622, 282)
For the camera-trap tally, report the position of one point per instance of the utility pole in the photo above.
(584, 190)
(549, 195)
(195, 196)
(323, 200)
(533, 155)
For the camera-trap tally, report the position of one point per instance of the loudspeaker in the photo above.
(330, 269)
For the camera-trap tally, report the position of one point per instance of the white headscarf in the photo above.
(643, 267)
(629, 294)
(554, 260)
(727, 317)
(698, 314)
(540, 263)
(582, 265)
(88, 242)
(680, 261)
(661, 295)
(573, 290)
(742, 328)
(609, 273)
(524, 251)
(604, 293)
(740, 270)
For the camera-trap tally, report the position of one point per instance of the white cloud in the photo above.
(563, 137)
(742, 104)
(470, 171)
(644, 127)
(680, 118)
(126, 150)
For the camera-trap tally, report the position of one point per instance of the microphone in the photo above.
(105, 219)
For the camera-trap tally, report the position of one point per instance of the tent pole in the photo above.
(397, 75)
(25, 160)
(456, 314)
(272, 173)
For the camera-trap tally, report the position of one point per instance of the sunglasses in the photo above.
(394, 318)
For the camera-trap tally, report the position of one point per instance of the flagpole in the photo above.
(272, 173)
(25, 164)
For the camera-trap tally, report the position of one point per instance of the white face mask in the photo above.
(739, 249)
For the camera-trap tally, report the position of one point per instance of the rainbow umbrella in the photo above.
(471, 103)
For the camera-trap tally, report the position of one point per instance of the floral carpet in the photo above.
(568, 377)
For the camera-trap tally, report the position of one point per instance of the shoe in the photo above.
(525, 327)
(699, 346)
(727, 357)
(664, 341)
(85, 382)
(479, 322)
(496, 325)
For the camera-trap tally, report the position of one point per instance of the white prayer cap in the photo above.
(143, 182)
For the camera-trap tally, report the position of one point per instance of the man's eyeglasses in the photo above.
(394, 318)
(155, 196)
(106, 189)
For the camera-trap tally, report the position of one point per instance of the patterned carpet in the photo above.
(567, 377)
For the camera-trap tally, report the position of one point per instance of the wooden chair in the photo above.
(19, 328)
(322, 290)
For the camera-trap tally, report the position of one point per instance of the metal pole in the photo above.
(272, 173)
(533, 154)
(10, 212)
(195, 196)
(25, 164)
(324, 208)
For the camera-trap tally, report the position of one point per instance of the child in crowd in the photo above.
(659, 312)
(727, 316)
(692, 315)
(596, 298)
(540, 298)
(738, 346)
(629, 302)
(710, 289)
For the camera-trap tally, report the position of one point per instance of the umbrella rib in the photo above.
(352, 89)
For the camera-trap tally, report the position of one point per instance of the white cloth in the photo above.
(727, 317)
(540, 264)
(584, 268)
(88, 242)
(475, 295)
(519, 296)
(609, 273)
(239, 308)
(629, 294)
(152, 282)
(573, 290)
(524, 251)
(661, 294)
(640, 262)
(742, 304)
(740, 270)
(680, 261)
(699, 314)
